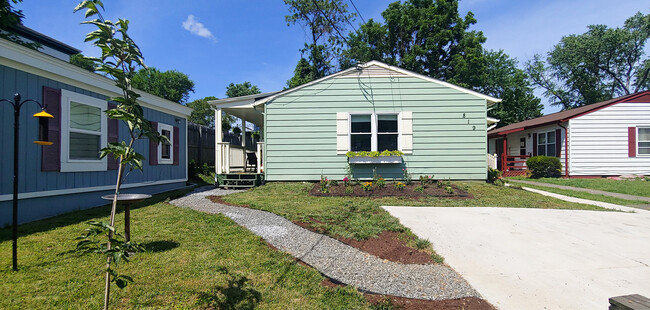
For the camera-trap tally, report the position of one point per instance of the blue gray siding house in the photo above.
(68, 175)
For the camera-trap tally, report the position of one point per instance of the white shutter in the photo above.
(407, 132)
(342, 133)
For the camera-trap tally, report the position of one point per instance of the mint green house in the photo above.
(440, 128)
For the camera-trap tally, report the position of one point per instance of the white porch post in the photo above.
(243, 139)
(218, 137)
(259, 156)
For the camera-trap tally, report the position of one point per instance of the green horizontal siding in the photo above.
(449, 139)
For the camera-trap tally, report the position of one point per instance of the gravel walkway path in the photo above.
(587, 190)
(337, 260)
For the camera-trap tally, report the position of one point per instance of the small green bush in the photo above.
(493, 175)
(544, 167)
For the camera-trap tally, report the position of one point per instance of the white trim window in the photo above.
(374, 132)
(83, 132)
(643, 141)
(546, 143)
(166, 149)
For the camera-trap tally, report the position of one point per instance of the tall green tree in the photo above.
(503, 79)
(425, 36)
(202, 113)
(324, 21)
(597, 65)
(9, 19)
(241, 89)
(302, 74)
(430, 38)
(171, 85)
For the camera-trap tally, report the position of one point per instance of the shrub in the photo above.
(325, 184)
(544, 167)
(450, 190)
(349, 190)
(493, 175)
(419, 189)
(381, 183)
(399, 186)
(425, 179)
(406, 176)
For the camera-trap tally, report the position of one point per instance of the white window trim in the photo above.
(170, 160)
(546, 144)
(80, 165)
(373, 129)
(638, 141)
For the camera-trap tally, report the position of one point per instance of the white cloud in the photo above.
(196, 28)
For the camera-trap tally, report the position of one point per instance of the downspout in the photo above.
(566, 149)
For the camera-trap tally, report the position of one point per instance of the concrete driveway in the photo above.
(537, 258)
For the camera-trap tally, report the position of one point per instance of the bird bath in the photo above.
(127, 200)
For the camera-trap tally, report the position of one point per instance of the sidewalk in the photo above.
(586, 190)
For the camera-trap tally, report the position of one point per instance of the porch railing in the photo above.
(513, 162)
(492, 161)
(231, 157)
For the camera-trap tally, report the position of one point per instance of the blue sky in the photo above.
(242, 40)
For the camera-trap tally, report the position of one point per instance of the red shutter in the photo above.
(153, 148)
(558, 142)
(534, 144)
(51, 155)
(176, 145)
(631, 141)
(113, 137)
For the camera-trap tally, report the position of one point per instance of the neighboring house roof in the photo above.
(490, 100)
(26, 59)
(38, 37)
(562, 116)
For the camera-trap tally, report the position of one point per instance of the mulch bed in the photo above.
(388, 245)
(390, 191)
(467, 303)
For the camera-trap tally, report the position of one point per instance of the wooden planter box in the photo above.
(375, 160)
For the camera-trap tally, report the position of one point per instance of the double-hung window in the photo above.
(546, 143)
(643, 141)
(84, 132)
(374, 132)
(165, 148)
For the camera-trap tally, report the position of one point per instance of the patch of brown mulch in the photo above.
(390, 191)
(391, 246)
(468, 303)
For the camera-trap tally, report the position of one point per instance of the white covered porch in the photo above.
(239, 157)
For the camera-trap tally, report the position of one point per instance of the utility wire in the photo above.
(355, 8)
(344, 16)
(331, 23)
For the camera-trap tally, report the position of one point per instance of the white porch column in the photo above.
(218, 137)
(243, 139)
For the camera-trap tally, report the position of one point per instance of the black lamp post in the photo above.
(42, 140)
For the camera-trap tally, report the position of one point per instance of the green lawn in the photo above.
(196, 260)
(362, 218)
(583, 195)
(638, 187)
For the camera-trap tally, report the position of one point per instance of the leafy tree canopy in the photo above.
(324, 21)
(202, 113)
(81, 61)
(429, 37)
(10, 18)
(597, 65)
(241, 89)
(171, 85)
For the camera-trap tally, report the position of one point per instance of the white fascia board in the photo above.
(69, 191)
(492, 120)
(31, 61)
(244, 103)
(490, 100)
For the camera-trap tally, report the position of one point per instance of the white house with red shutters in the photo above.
(608, 138)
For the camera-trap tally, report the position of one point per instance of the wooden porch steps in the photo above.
(240, 180)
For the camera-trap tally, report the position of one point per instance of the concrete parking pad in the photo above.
(540, 258)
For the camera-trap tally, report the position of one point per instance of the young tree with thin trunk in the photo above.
(119, 60)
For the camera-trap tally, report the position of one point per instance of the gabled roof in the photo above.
(33, 35)
(562, 116)
(490, 100)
